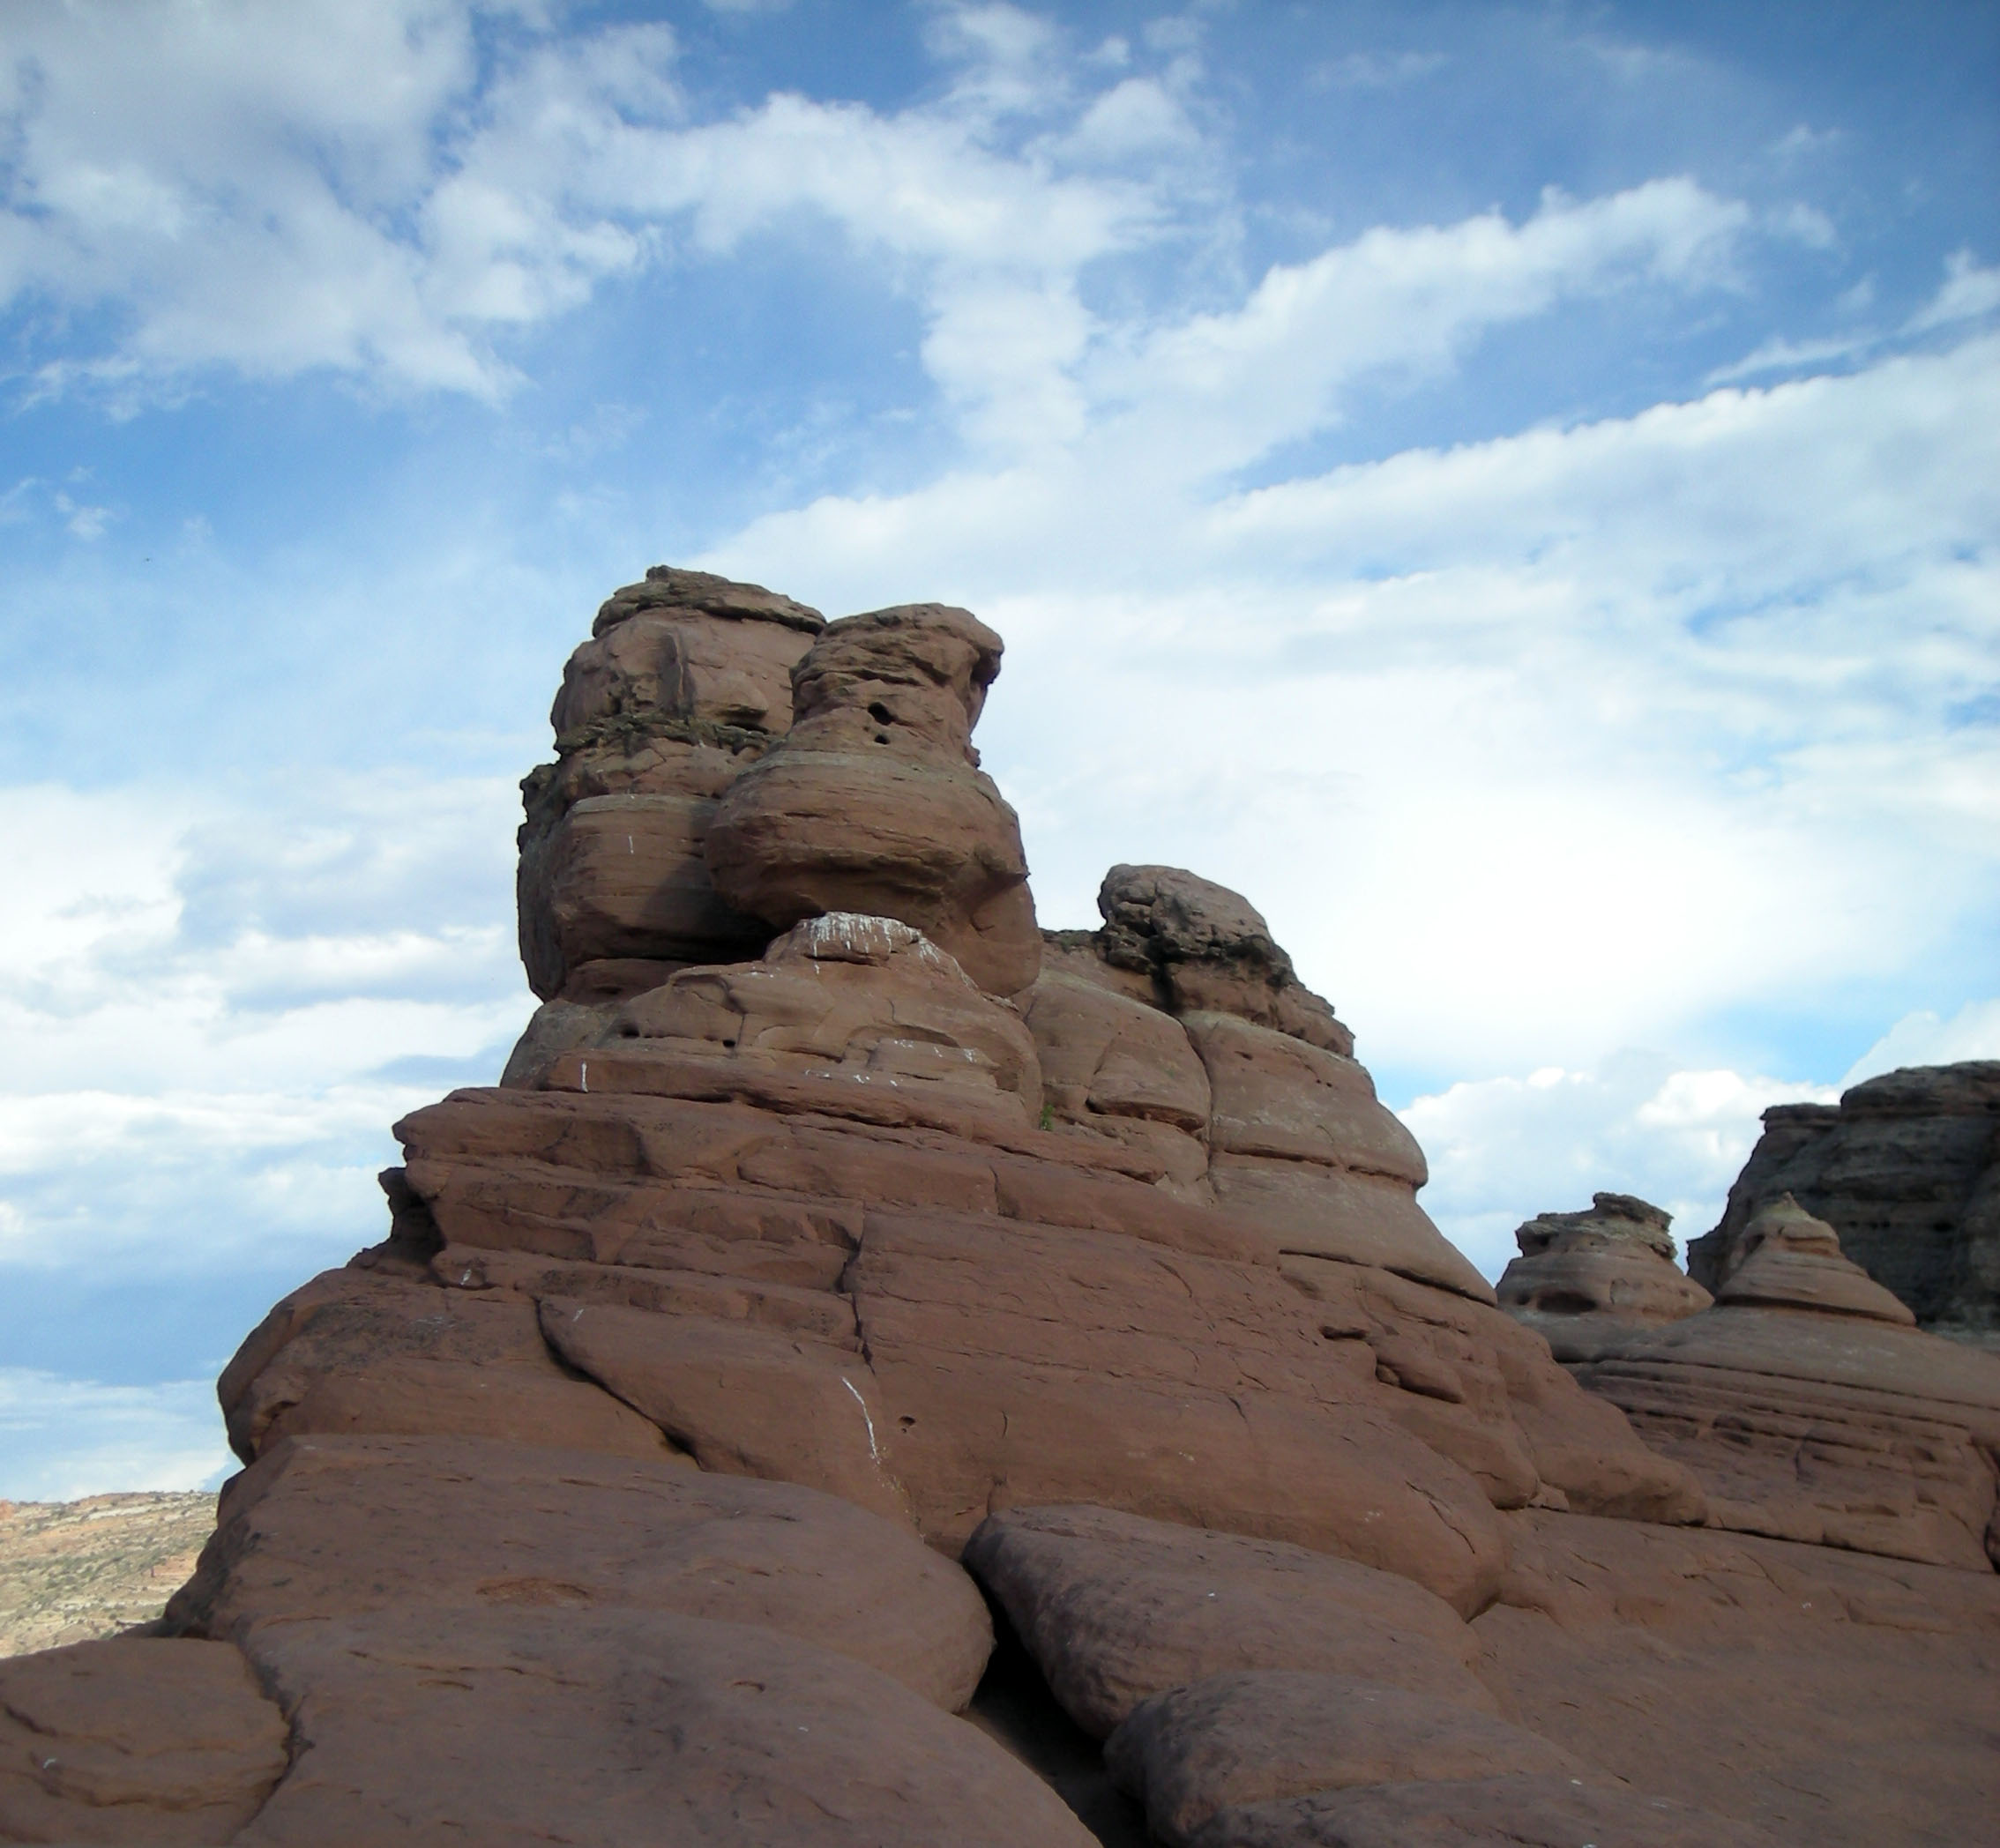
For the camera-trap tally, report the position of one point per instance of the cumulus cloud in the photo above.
(1925, 1039)
(1503, 1150)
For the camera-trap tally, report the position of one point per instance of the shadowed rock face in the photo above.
(837, 1241)
(1905, 1169)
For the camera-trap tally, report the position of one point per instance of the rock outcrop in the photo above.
(1811, 1408)
(1585, 1280)
(874, 801)
(685, 682)
(1906, 1168)
(858, 1310)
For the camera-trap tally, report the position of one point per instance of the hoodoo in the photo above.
(875, 1371)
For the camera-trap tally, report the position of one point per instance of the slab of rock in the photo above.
(355, 1350)
(1821, 1695)
(875, 803)
(745, 1401)
(1906, 1168)
(145, 1741)
(518, 1727)
(1114, 1609)
(1521, 1812)
(333, 1526)
(1586, 1279)
(1260, 1736)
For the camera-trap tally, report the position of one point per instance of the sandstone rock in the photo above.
(745, 1401)
(324, 1527)
(150, 1742)
(1102, 1055)
(1206, 949)
(1820, 1695)
(1788, 1259)
(354, 1351)
(1522, 1812)
(556, 1027)
(1586, 1278)
(1826, 1428)
(874, 803)
(1906, 1170)
(844, 994)
(1237, 1740)
(1116, 1609)
(617, 1728)
(685, 681)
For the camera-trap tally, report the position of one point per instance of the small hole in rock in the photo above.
(881, 714)
(882, 737)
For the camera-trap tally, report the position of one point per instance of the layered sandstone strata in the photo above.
(1585, 1280)
(1906, 1168)
(825, 1264)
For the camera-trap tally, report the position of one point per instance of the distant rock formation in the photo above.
(1812, 1409)
(858, 1309)
(76, 1571)
(1906, 1168)
(1586, 1279)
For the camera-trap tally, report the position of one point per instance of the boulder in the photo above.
(1258, 1737)
(1586, 1279)
(1114, 1609)
(145, 1741)
(1906, 1168)
(875, 803)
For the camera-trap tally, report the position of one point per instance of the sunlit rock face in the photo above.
(858, 1307)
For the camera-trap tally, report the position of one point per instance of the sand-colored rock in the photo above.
(1261, 1736)
(141, 1741)
(1786, 1259)
(624, 1729)
(1116, 1609)
(323, 1527)
(874, 802)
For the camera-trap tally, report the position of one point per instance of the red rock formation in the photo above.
(832, 1227)
(1585, 1280)
(1906, 1168)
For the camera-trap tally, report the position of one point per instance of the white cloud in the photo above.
(210, 1023)
(1504, 1149)
(1923, 1039)
(1968, 292)
(61, 1438)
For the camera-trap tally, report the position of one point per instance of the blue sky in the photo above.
(1513, 489)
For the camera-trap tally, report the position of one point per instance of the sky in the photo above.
(1513, 490)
